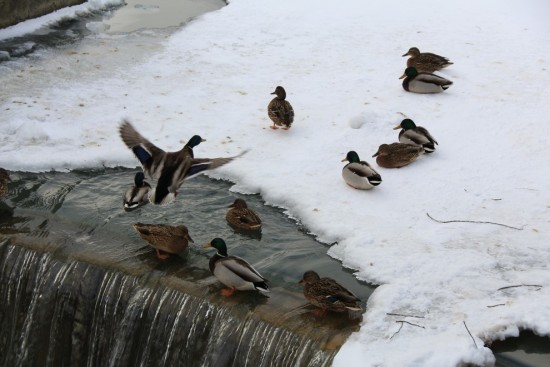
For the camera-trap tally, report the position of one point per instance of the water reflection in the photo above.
(80, 214)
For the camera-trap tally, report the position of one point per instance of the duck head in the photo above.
(406, 124)
(218, 244)
(410, 72)
(352, 157)
(280, 92)
(309, 277)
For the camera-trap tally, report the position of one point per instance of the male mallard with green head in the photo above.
(397, 155)
(426, 61)
(328, 295)
(279, 110)
(240, 216)
(415, 135)
(234, 272)
(4, 179)
(164, 238)
(193, 142)
(169, 168)
(418, 82)
(137, 195)
(359, 174)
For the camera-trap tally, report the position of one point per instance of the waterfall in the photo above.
(59, 311)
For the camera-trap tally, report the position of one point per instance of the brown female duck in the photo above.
(426, 61)
(164, 238)
(327, 294)
(279, 110)
(397, 155)
(241, 217)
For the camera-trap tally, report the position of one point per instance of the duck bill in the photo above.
(203, 140)
(397, 127)
(301, 282)
(402, 76)
(206, 245)
(190, 239)
(407, 54)
(344, 160)
(375, 154)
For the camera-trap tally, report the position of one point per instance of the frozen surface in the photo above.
(340, 63)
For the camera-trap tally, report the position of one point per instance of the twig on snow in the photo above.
(468, 330)
(401, 315)
(500, 304)
(402, 322)
(520, 285)
(472, 221)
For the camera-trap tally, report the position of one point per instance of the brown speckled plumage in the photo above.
(4, 179)
(397, 155)
(164, 237)
(327, 294)
(240, 216)
(426, 61)
(279, 109)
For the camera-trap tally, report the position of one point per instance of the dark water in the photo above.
(62, 33)
(81, 287)
(527, 350)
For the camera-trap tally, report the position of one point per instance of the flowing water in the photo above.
(81, 287)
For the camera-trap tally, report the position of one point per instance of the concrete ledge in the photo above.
(15, 11)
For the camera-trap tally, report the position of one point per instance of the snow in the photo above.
(339, 63)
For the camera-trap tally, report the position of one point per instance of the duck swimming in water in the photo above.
(234, 272)
(137, 195)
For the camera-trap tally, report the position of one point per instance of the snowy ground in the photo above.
(340, 63)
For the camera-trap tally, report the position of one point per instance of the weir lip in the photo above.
(74, 223)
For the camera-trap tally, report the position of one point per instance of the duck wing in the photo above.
(335, 291)
(426, 133)
(178, 167)
(242, 269)
(432, 79)
(150, 156)
(248, 216)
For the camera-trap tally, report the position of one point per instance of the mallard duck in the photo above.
(234, 272)
(423, 82)
(169, 168)
(4, 179)
(279, 110)
(193, 142)
(426, 61)
(397, 155)
(137, 195)
(359, 174)
(327, 294)
(416, 135)
(240, 216)
(164, 238)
